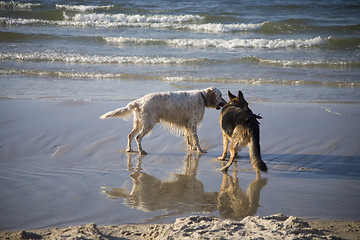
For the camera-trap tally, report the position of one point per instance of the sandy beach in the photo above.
(61, 166)
(201, 227)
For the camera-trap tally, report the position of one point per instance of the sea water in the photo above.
(289, 51)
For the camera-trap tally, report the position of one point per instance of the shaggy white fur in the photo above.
(182, 110)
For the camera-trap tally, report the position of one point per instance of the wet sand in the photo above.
(62, 166)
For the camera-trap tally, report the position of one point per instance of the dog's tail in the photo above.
(254, 151)
(124, 112)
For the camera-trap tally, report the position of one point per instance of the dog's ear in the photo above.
(240, 95)
(231, 96)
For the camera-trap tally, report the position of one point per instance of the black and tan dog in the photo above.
(239, 125)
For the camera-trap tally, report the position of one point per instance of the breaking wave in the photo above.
(93, 59)
(262, 81)
(66, 74)
(182, 22)
(96, 59)
(100, 16)
(224, 43)
(335, 64)
(176, 79)
(82, 8)
(17, 5)
(125, 18)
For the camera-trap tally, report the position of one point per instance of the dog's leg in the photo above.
(234, 148)
(194, 136)
(145, 130)
(131, 135)
(225, 147)
(189, 140)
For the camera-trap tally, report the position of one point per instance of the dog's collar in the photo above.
(203, 97)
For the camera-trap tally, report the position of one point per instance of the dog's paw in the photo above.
(142, 152)
(221, 158)
(202, 151)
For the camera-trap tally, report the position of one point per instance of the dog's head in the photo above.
(238, 101)
(214, 98)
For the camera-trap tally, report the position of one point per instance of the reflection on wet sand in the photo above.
(233, 202)
(184, 193)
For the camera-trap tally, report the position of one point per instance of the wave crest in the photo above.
(125, 18)
(82, 8)
(17, 5)
(92, 59)
(225, 43)
(176, 79)
(334, 64)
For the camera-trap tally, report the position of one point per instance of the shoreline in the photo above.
(203, 227)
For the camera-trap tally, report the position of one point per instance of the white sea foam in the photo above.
(248, 43)
(261, 81)
(125, 18)
(340, 64)
(61, 74)
(175, 79)
(92, 59)
(181, 22)
(20, 21)
(17, 5)
(82, 8)
(226, 43)
(178, 22)
(222, 28)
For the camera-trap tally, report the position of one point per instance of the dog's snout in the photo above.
(221, 104)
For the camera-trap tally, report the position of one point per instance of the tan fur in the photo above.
(240, 127)
(182, 110)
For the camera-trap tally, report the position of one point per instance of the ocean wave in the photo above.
(334, 64)
(26, 6)
(225, 43)
(82, 8)
(182, 22)
(93, 59)
(219, 27)
(177, 22)
(17, 5)
(22, 37)
(13, 36)
(75, 75)
(262, 81)
(21, 21)
(346, 43)
(96, 59)
(125, 18)
(296, 26)
(176, 79)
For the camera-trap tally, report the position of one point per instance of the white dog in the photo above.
(183, 110)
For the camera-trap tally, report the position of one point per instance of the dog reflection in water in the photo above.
(184, 193)
(233, 202)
